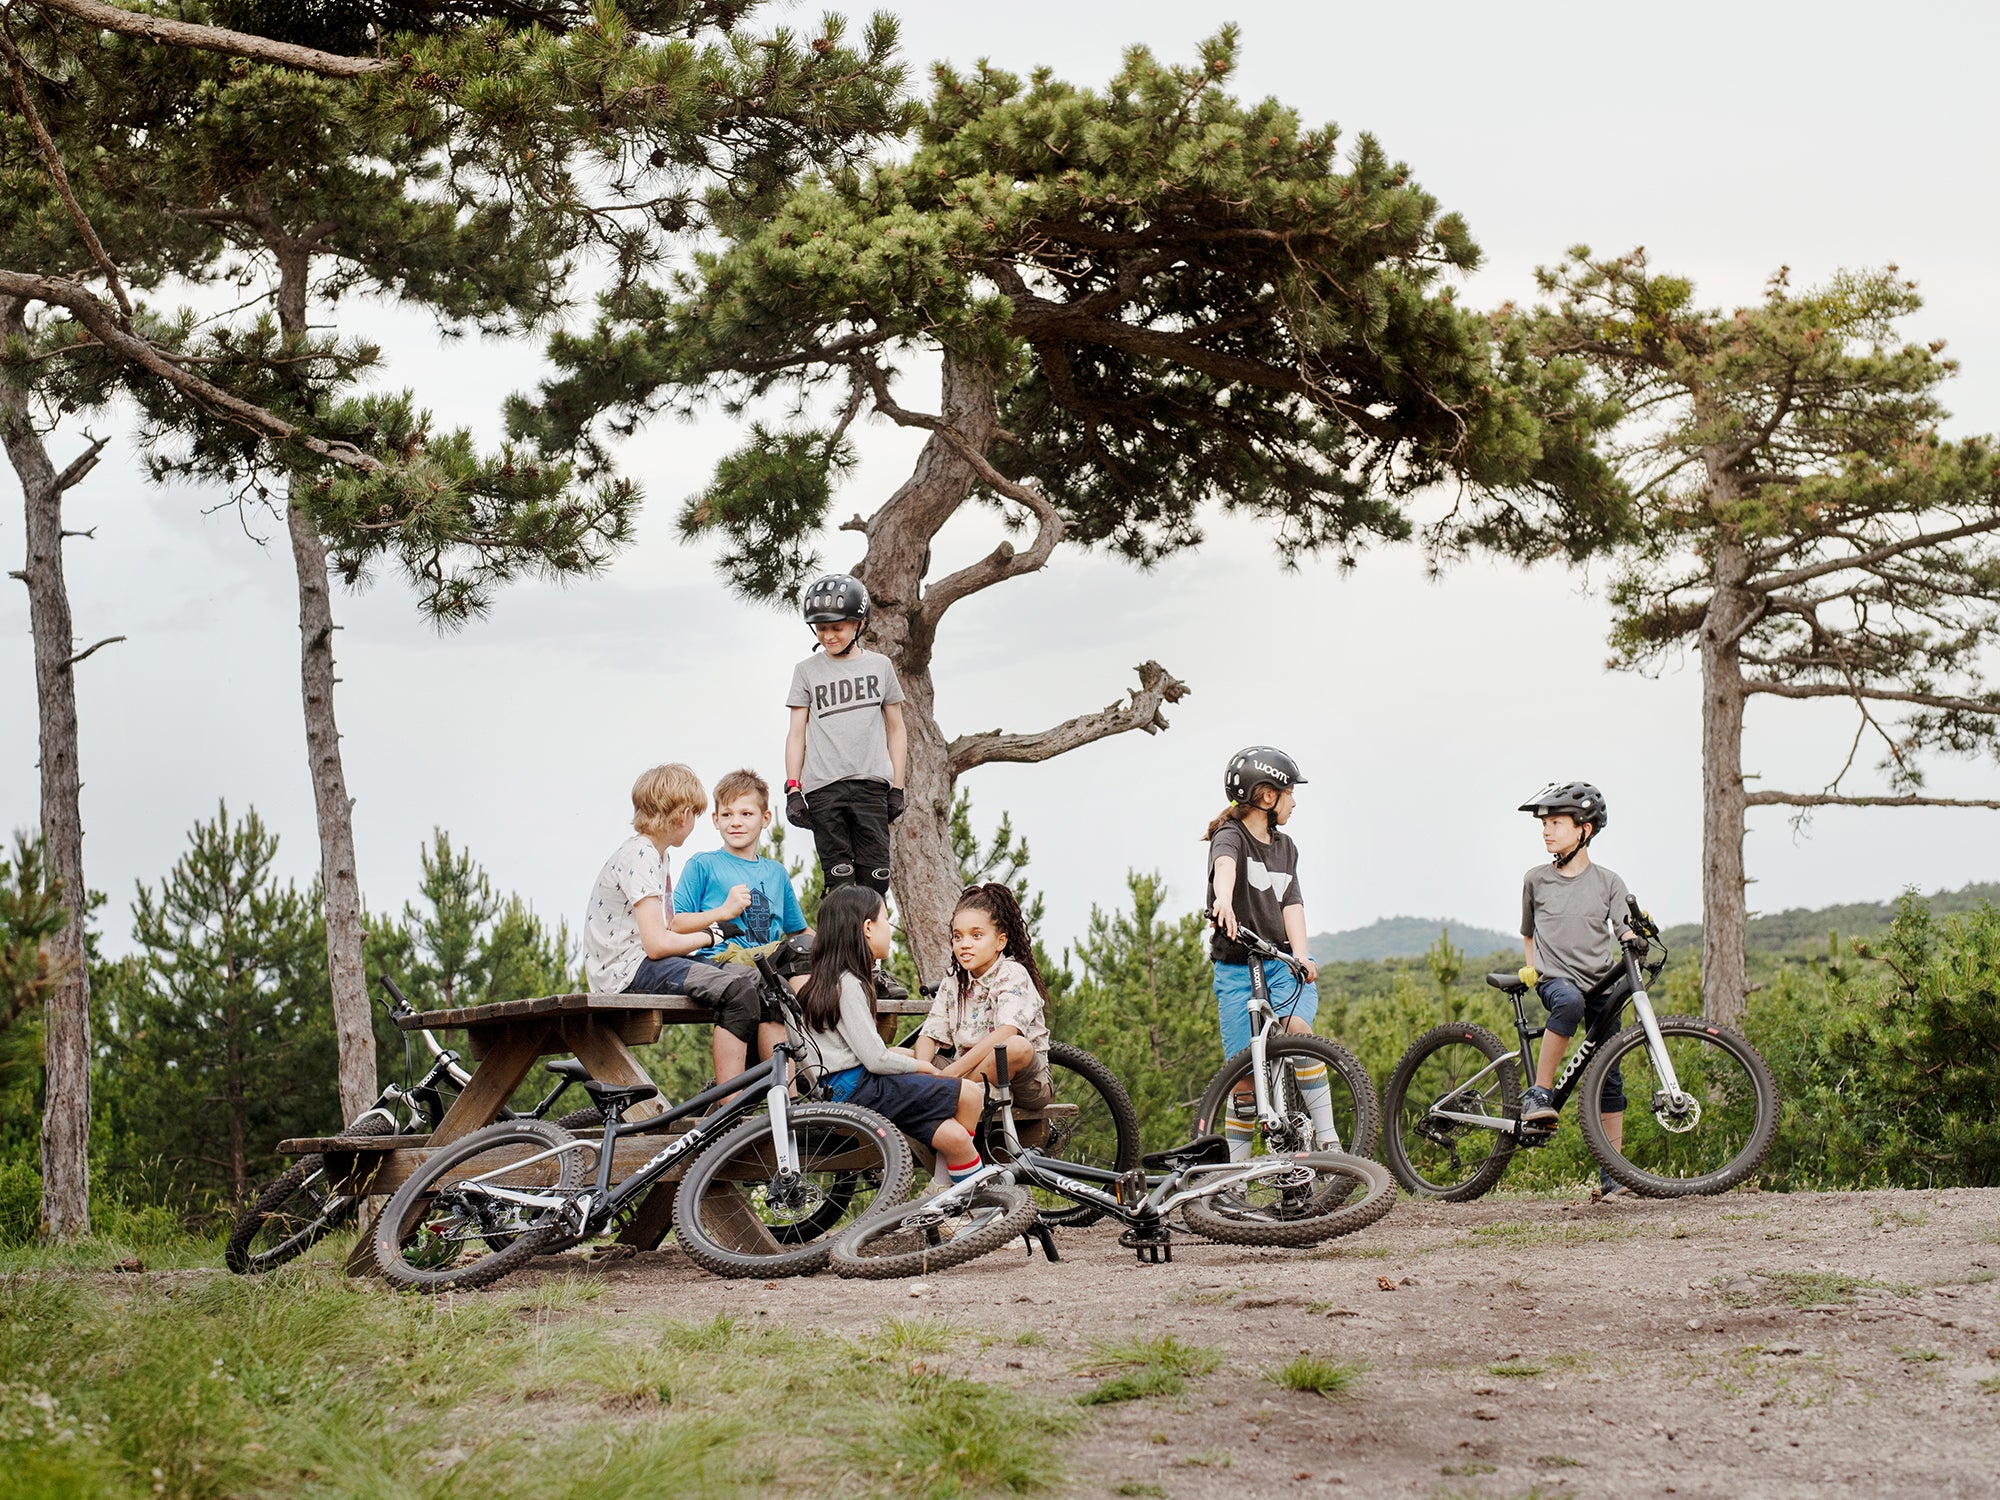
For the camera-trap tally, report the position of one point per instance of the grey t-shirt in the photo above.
(844, 699)
(1267, 881)
(1565, 915)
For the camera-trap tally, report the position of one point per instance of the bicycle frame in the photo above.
(1264, 1020)
(592, 1209)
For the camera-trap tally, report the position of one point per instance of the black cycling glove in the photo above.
(896, 803)
(795, 811)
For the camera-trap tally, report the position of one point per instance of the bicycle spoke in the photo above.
(1714, 1122)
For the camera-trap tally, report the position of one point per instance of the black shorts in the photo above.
(915, 1103)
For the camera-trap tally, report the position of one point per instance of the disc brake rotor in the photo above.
(1677, 1115)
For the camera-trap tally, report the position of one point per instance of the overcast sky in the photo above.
(1727, 139)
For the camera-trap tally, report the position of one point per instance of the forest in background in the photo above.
(215, 1038)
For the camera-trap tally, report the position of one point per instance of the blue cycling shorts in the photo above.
(1290, 996)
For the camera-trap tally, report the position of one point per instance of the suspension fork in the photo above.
(1263, 1021)
(1656, 1044)
(778, 1099)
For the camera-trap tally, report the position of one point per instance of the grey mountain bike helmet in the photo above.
(834, 597)
(1252, 767)
(1580, 800)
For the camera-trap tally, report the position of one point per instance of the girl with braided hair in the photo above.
(995, 999)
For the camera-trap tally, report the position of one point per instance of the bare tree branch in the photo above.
(1884, 695)
(74, 474)
(98, 318)
(219, 39)
(1878, 554)
(1824, 799)
(109, 640)
(58, 175)
(1157, 687)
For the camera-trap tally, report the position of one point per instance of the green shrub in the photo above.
(20, 1203)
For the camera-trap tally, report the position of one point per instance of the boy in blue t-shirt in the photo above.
(733, 884)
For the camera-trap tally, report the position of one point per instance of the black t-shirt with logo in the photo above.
(1267, 881)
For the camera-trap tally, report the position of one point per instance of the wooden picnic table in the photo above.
(505, 1040)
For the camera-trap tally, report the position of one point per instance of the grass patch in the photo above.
(915, 1335)
(1470, 1468)
(1558, 1461)
(1031, 1338)
(1917, 1356)
(1353, 1252)
(1517, 1369)
(1821, 1288)
(1320, 1376)
(1990, 1386)
(1137, 1487)
(1145, 1367)
(307, 1384)
(1523, 1233)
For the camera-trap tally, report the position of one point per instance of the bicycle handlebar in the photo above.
(1263, 949)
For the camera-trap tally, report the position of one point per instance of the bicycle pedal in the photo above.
(1152, 1245)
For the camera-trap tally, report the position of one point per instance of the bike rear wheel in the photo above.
(1357, 1117)
(1466, 1070)
(912, 1240)
(734, 1216)
(1104, 1131)
(1708, 1142)
(1317, 1202)
(451, 1225)
(295, 1211)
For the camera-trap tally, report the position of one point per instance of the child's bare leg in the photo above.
(1020, 1057)
(731, 1054)
(1614, 1130)
(1554, 1045)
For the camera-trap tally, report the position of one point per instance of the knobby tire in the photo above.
(1378, 1196)
(1006, 1212)
(1499, 1096)
(409, 1214)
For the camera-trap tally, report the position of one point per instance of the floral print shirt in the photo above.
(1003, 996)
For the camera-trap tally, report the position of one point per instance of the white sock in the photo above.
(1318, 1095)
(1240, 1128)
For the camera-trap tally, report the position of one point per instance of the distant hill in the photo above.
(1796, 930)
(1405, 937)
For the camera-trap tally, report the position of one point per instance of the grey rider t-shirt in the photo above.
(1565, 915)
(844, 698)
(1267, 881)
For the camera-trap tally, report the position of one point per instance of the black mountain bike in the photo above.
(763, 1197)
(1700, 1121)
(1270, 1063)
(296, 1209)
(1270, 1200)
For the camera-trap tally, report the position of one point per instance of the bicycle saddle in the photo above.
(1203, 1150)
(568, 1067)
(1509, 982)
(619, 1095)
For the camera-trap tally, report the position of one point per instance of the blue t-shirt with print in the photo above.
(706, 880)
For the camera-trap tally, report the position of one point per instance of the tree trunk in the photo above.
(1724, 984)
(353, 1026)
(66, 1036)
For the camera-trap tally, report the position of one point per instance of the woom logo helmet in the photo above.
(1255, 766)
(1580, 800)
(834, 597)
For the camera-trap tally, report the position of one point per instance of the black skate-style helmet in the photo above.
(1253, 767)
(1579, 799)
(834, 597)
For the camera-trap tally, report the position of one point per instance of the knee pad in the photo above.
(839, 874)
(878, 880)
(739, 1008)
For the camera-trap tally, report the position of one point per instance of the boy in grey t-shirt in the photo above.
(1569, 910)
(845, 748)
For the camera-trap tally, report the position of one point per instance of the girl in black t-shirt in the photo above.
(1253, 882)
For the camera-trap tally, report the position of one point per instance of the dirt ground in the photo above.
(1750, 1345)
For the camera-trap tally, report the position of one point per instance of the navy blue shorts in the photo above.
(915, 1103)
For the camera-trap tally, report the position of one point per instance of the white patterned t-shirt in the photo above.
(1003, 996)
(612, 951)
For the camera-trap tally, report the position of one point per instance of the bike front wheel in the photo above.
(735, 1215)
(1315, 1201)
(1457, 1069)
(919, 1238)
(1357, 1118)
(1104, 1131)
(1709, 1139)
(479, 1207)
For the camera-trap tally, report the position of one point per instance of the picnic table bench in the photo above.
(505, 1040)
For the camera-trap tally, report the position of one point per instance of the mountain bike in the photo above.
(1701, 1124)
(1100, 1128)
(1271, 1200)
(296, 1209)
(1270, 1064)
(762, 1198)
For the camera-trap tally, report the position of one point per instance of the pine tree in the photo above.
(217, 1041)
(1141, 301)
(1798, 520)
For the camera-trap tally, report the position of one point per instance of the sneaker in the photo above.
(886, 988)
(1609, 1188)
(1538, 1107)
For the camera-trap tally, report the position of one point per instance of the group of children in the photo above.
(844, 764)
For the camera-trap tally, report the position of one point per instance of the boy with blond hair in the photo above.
(629, 944)
(736, 884)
